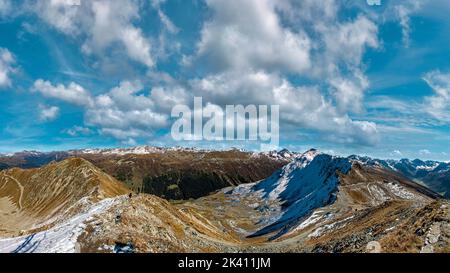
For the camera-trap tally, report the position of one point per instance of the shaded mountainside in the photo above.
(168, 173)
(316, 203)
(302, 186)
(186, 174)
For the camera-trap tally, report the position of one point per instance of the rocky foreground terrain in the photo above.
(315, 203)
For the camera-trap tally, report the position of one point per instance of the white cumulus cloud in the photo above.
(7, 67)
(404, 11)
(249, 34)
(48, 113)
(438, 105)
(123, 112)
(78, 130)
(72, 93)
(303, 107)
(100, 24)
(5, 7)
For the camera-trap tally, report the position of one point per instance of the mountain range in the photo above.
(169, 172)
(433, 174)
(265, 202)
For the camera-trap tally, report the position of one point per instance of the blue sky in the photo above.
(349, 77)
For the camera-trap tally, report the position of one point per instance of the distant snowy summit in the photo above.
(283, 154)
(434, 174)
(139, 150)
(404, 165)
(410, 168)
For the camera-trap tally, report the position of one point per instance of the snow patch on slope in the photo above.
(431, 167)
(400, 191)
(280, 183)
(61, 238)
(333, 226)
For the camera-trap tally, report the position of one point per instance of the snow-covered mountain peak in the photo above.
(307, 157)
(308, 182)
(25, 153)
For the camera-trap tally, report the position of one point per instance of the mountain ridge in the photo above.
(34, 196)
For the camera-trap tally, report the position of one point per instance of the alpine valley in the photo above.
(149, 199)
